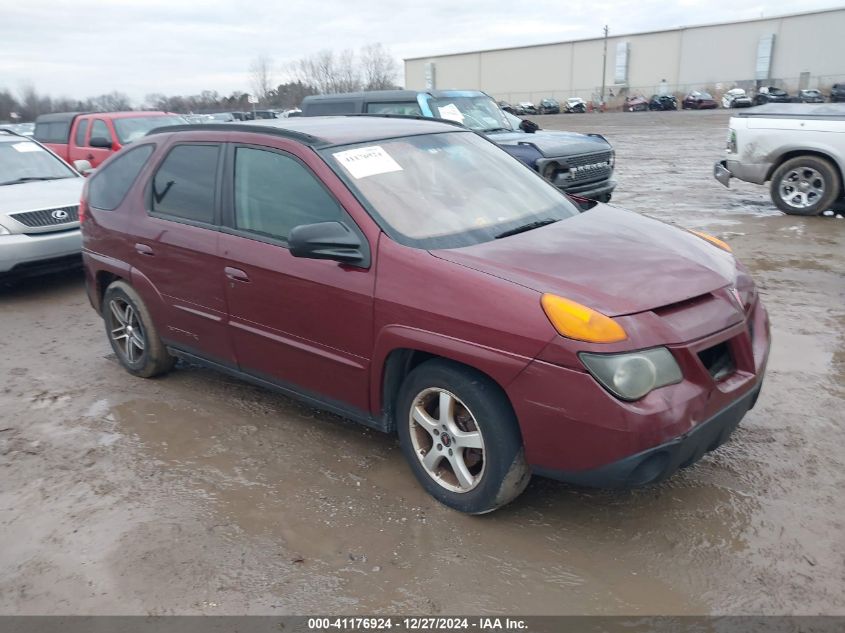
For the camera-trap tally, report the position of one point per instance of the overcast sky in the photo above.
(81, 48)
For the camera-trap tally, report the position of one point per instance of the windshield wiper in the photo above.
(527, 227)
(497, 129)
(31, 179)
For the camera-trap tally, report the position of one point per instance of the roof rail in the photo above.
(13, 133)
(308, 139)
(417, 117)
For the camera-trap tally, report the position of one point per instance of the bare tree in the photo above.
(261, 71)
(378, 67)
(112, 102)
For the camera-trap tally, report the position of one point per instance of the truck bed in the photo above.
(828, 111)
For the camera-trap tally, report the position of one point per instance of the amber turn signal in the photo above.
(575, 321)
(715, 241)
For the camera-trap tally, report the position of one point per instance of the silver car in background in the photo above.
(39, 209)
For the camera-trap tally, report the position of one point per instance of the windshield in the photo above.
(447, 190)
(22, 161)
(132, 128)
(479, 113)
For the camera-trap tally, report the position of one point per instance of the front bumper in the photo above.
(20, 253)
(659, 462)
(574, 430)
(600, 191)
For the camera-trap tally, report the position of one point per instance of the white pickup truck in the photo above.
(799, 147)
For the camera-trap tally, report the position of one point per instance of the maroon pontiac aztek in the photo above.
(412, 276)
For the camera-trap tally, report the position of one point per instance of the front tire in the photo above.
(805, 185)
(461, 438)
(132, 333)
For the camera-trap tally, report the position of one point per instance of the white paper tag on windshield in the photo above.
(26, 147)
(367, 161)
(451, 113)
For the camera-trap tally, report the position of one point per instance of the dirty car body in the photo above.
(529, 350)
(799, 148)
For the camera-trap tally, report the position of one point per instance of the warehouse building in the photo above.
(804, 50)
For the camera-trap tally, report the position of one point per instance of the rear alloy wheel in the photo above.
(460, 437)
(805, 185)
(132, 334)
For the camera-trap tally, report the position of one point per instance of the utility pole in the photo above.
(603, 68)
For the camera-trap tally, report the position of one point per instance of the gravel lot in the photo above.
(198, 494)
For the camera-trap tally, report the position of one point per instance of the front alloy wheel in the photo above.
(447, 440)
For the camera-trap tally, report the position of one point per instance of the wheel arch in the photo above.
(400, 349)
(824, 154)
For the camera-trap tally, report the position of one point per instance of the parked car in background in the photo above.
(636, 103)
(507, 107)
(837, 93)
(810, 96)
(266, 114)
(291, 113)
(579, 164)
(771, 94)
(736, 98)
(85, 139)
(39, 202)
(24, 129)
(697, 100)
(549, 106)
(442, 292)
(243, 116)
(222, 117)
(527, 107)
(663, 102)
(575, 105)
(798, 148)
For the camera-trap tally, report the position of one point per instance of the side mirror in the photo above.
(83, 167)
(327, 240)
(528, 126)
(100, 141)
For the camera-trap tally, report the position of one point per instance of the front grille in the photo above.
(718, 360)
(47, 217)
(588, 167)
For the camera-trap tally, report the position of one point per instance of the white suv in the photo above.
(39, 204)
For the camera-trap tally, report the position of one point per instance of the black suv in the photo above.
(578, 164)
(837, 93)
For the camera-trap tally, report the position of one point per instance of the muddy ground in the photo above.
(198, 494)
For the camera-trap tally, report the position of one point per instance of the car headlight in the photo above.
(632, 375)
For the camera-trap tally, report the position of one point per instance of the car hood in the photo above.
(551, 143)
(40, 194)
(615, 261)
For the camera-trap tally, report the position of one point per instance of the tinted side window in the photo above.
(80, 132)
(406, 108)
(109, 186)
(184, 185)
(321, 108)
(52, 132)
(100, 129)
(275, 192)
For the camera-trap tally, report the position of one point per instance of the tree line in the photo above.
(325, 72)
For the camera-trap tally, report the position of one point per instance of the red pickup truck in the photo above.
(85, 139)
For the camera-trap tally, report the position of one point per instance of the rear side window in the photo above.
(322, 108)
(80, 132)
(109, 185)
(52, 132)
(406, 108)
(275, 192)
(100, 130)
(185, 183)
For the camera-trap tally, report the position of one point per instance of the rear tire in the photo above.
(132, 333)
(805, 185)
(461, 438)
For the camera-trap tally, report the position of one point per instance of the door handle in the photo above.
(143, 249)
(235, 274)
